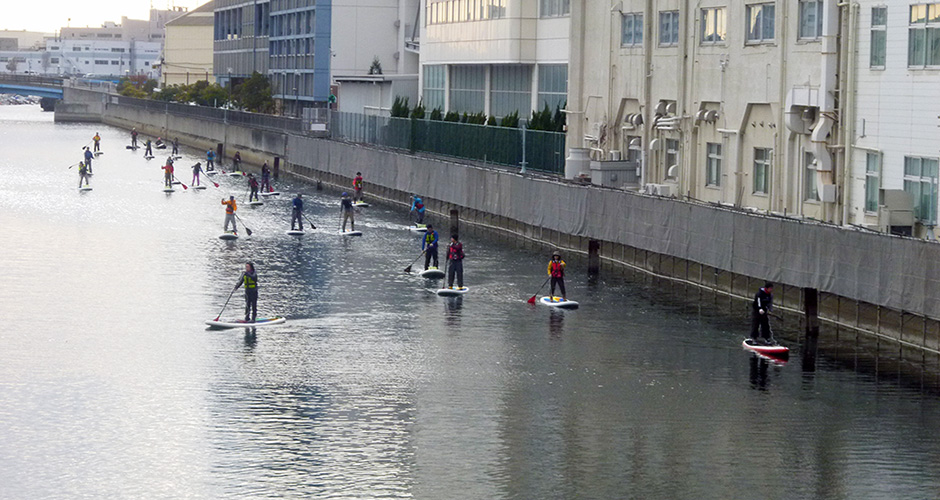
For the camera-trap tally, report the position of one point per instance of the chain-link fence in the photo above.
(541, 151)
(270, 122)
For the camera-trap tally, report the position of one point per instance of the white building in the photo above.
(897, 112)
(494, 56)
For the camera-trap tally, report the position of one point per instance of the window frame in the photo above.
(930, 32)
(713, 161)
(766, 163)
(670, 149)
(748, 40)
(720, 20)
(872, 178)
(633, 29)
(883, 43)
(818, 5)
(673, 17)
(919, 179)
(810, 189)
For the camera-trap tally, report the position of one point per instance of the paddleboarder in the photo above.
(347, 208)
(97, 139)
(297, 212)
(147, 150)
(168, 173)
(417, 208)
(253, 186)
(429, 246)
(357, 187)
(761, 307)
(88, 157)
(266, 178)
(230, 208)
(237, 161)
(556, 269)
(455, 266)
(210, 161)
(134, 138)
(197, 169)
(250, 279)
(176, 146)
(82, 174)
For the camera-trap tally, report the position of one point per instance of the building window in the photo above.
(553, 86)
(554, 8)
(116, 49)
(668, 28)
(760, 22)
(113, 63)
(920, 179)
(762, 159)
(510, 90)
(811, 14)
(101, 61)
(631, 30)
(467, 89)
(810, 192)
(433, 95)
(713, 164)
(454, 11)
(872, 181)
(713, 25)
(923, 41)
(879, 23)
(672, 153)
(53, 60)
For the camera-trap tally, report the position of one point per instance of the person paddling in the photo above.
(347, 207)
(134, 138)
(455, 266)
(197, 169)
(210, 161)
(82, 174)
(230, 208)
(357, 187)
(250, 280)
(176, 146)
(761, 307)
(168, 173)
(556, 270)
(253, 186)
(97, 139)
(88, 157)
(147, 150)
(237, 161)
(429, 246)
(266, 178)
(297, 213)
(417, 208)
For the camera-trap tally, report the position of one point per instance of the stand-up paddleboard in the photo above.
(452, 292)
(271, 193)
(256, 203)
(237, 173)
(247, 324)
(361, 204)
(168, 190)
(210, 172)
(774, 350)
(351, 233)
(175, 157)
(419, 228)
(199, 187)
(133, 148)
(228, 236)
(148, 157)
(85, 188)
(160, 146)
(558, 302)
(432, 273)
(295, 232)
(99, 153)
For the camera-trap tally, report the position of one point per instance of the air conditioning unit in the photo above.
(658, 189)
(711, 116)
(671, 108)
(613, 155)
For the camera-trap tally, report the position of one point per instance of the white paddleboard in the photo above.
(351, 233)
(272, 193)
(236, 174)
(558, 302)
(452, 292)
(276, 320)
(294, 232)
(86, 188)
(148, 157)
(419, 228)
(432, 273)
(168, 190)
(210, 172)
(256, 203)
(99, 153)
(199, 187)
(228, 236)
(361, 204)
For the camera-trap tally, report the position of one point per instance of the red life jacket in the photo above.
(557, 269)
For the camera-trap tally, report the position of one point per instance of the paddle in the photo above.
(532, 299)
(74, 165)
(446, 261)
(243, 223)
(408, 269)
(226, 303)
(310, 221)
(181, 184)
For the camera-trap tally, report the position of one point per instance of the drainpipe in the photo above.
(827, 87)
(847, 103)
(647, 95)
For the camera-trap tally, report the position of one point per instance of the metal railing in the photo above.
(268, 122)
(31, 80)
(539, 150)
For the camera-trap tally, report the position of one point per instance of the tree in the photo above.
(491, 121)
(541, 120)
(213, 95)
(452, 116)
(437, 114)
(149, 85)
(169, 94)
(255, 95)
(559, 119)
(477, 118)
(127, 87)
(400, 107)
(376, 67)
(11, 65)
(511, 120)
(418, 112)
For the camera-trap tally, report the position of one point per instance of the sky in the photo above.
(50, 15)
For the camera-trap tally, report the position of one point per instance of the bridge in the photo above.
(31, 85)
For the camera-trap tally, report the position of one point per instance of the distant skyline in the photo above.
(50, 15)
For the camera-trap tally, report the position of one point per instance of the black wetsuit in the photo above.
(760, 323)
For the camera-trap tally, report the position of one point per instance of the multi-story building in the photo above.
(140, 30)
(727, 101)
(187, 51)
(495, 56)
(896, 117)
(240, 46)
(92, 57)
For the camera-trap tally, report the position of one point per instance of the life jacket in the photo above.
(430, 238)
(556, 269)
(169, 169)
(230, 206)
(455, 251)
(250, 281)
(96, 138)
(357, 183)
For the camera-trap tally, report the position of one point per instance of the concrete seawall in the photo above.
(868, 283)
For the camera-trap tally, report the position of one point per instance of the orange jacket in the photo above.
(230, 206)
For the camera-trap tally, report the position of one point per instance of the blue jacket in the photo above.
(88, 154)
(432, 245)
(414, 204)
(298, 204)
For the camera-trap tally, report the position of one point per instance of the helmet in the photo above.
(345, 193)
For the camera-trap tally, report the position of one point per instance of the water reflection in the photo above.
(556, 323)
(452, 308)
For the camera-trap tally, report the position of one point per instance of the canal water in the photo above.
(112, 387)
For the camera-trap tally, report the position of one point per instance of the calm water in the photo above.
(111, 387)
